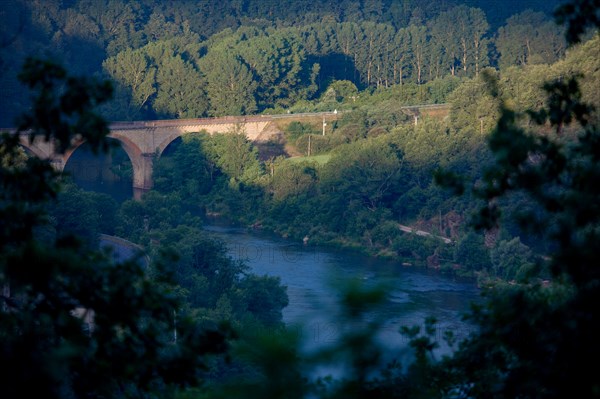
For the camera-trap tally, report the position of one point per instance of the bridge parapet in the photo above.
(174, 123)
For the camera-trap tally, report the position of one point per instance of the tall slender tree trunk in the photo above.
(419, 57)
(476, 43)
(370, 63)
(464, 55)
(355, 70)
(401, 73)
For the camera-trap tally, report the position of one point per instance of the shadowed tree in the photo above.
(71, 320)
(536, 338)
(529, 38)
(230, 84)
(133, 70)
(180, 89)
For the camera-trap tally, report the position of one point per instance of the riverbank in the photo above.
(406, 245)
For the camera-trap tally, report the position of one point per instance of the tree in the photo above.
(480, 27)
(115, 21)
(369, 60)
(230, 84)
(134, 70)
(419, 47)
(474, 110)
(180, 89)
(159, 27)
(426, 146)
(511, 259)
(291, 179)
(83, 214)
(343, 91)
(264, 298)
(235, 155)
(579, 17)
(533, 336)
(71, 320)
(363, 172)
(188, 170)
(461, 33)
(471, 253)
(202, 269)
(401, 55)
(276, 62)
(157, 79)
(528, 38)
(445, 31)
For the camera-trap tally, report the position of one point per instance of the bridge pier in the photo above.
(58, 163)
(142, 173)
(138, 193)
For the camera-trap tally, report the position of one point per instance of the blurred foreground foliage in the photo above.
(72, 322)
(535, 337)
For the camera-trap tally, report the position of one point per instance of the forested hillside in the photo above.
(502, 183)
(193, 59)
(373, 172)
(188, 59)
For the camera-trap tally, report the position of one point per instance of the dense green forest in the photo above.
(190, 59)
(368, 58)
(374, 172)
(510, 176)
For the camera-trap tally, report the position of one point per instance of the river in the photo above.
(313, 275)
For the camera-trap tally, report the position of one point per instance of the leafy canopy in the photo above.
(71, 320)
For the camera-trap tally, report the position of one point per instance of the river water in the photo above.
(313, 276)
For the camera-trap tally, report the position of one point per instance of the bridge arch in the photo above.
(142, 163)
(71, 150)
(97, 171)
(39, 147)
(166, 141)
(33, 150)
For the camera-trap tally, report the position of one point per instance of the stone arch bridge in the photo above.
(145, 141)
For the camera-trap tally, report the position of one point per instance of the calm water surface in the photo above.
(312, 274)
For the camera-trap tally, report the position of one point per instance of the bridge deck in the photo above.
(165, 123)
